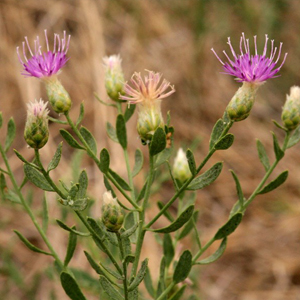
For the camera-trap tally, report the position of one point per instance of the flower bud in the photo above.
(242, 102)
(181, 170)
(112, 213)
(291, 110)
(36, 129)
(58, 96)
(114, 77)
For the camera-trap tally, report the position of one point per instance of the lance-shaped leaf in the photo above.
(111, 272)
(216, 133)
(278, 151)
(71, 247)
(189, 226)
(215, 255)
(238, 188)
(294, 139)
(70, 139)
(161, 286)
(11, 133)
(23, 159)
(81, 114)
(120, 180)
(29, 245)
(37, 178)
(89, 138)
(93, 264)
(225, 143)
(262, 154)
(45, 214)
(206, 178)
(183, 267)
(178, 223)
(139, 160)
(149, 284)
(129, 111)
(67, 228)
(71, 287)
(56, 158)
(110, 291)
(111, 132)
(229, 227)
(127, 233)
(83, 182)
(121, 131)
(168, 248)
(104, 161)
(12, 196)
(275, 183)
(191, 161)
(140, 275)
(163, 156)
(158, 142)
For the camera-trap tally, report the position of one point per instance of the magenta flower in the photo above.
(45, 64)
(252, 68)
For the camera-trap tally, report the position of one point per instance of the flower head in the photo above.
(45, 64)
(252, 68)
(181, 169)
(291, 111)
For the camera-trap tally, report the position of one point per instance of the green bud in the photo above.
(36, 131)
(58, 96)
(181, 170)
(112, 213)
(291, 111)
(114, 77)
(240, 105)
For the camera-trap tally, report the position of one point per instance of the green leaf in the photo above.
(141, 195)
(149, 284)
(168, 249)
(129, 111)
(56, 158)
(71, 287)
(80, 205)
(189, 226)
(179, 222)
(83, 184)
(71, 247)
(67, 228)
(111, 132)
(166, 212)
(104, 161)
(127, 233)
(29, 245)
(275, 183)
(111, 272)
(279, 126)
(216, 133)
(206, 178)
(263, 157)
(130, 223)
(161, 283)
(23, 159)
(133, 295)
(12, 196)
(158, 142)
(183, 267)
(139, 161)
(214, 256)
(11, 133)
(110, 291)
(294, 139)
(163, 156)
(121, 131)
(229, 227)
(93, 264)
(140, 275)
(191, 161)
(120, 180)
(225, 143)
(278, 151)
(238, 188)
(70, 139)
(236, 208)
(37, 178)
(178, 294)
(45, 214)
(3, 185)
(129, 259)
(89, 138)
(81, 114)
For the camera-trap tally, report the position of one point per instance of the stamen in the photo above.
(24, 52)
(21, 61)
(28, 46)
(278, 53)
(212, 49)
(265, 48)
(46, 38)
(255, 45)
(231, 48)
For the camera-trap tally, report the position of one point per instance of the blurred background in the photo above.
(173, 37)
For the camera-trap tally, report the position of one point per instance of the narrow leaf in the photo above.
(275, 183)
(179, 222)
(37, 178)
(229, 227)
(111, 292)
(93, 264)
(189, 226)
(23, 159)
(71, 247)
(215, 255)
(111, 132)
(238, 188)
(263, 157)
(70, 139)
(130, 223)
(141, 195)
(89, 138)
(158, 142)
(166, 212)
(121, 131)
(83, 182)
(29, 245)
(278, 151)
(104, 161)
(206, 178)
(191, 161)
(178, 294)
(120, 180)
(183, 267)
(139, 161)
(216, 133)
(12, 196)
(127, 233)
(11, 133)
(71, 287)
(56, 158)
(168, 248)
(295, 138)
(111, 272)
(81, 114)
(45, 214)
(149, 284)
(140, 275)
(225, 143)
(163, 156)
(129, 111)
(67, 228)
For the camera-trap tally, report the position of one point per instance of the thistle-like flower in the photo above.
(252, 70)
(36, 129)
(291, 110)
(114, 77)
(148, 93)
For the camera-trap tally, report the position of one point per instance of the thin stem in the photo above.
(166, 291)
(203, 249)
(28, 209)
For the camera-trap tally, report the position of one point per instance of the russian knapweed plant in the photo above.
(120, 229)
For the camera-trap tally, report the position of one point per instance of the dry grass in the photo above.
(173, 37)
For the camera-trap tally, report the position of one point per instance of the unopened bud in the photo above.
(291, 110)
(58, 96)
(36, 132)
(181, 170)
(242, 102)
(114, 77)
(112, 213)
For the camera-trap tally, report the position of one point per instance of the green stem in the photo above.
(28, 209)
(166, 291)
(203, 249)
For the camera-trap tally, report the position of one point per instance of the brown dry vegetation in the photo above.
(174, 37)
